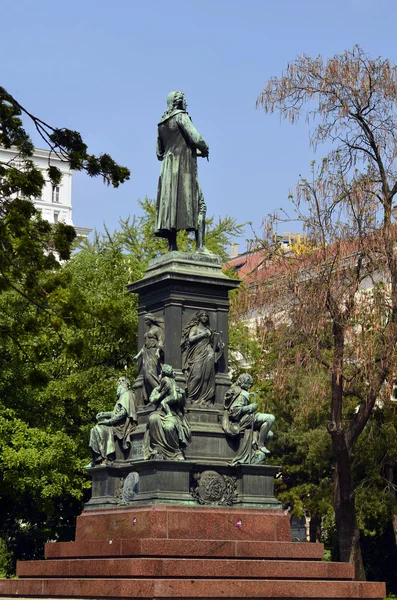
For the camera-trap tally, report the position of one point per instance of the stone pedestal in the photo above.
(160, 552)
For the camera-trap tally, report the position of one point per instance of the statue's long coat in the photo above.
(178, 189)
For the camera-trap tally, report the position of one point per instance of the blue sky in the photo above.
(105, 68)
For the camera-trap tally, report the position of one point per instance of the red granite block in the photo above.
(283, 529)
(228, 525)
(160, 521)
(25, 587)
(193, 588)
(96, 588)
(334, 570)
(287, 550)
(197, 568)
(175, 548)
(370, 589)
(118, 524)
(83, 549)
(190, 588)
(203, 548)
(142, 547)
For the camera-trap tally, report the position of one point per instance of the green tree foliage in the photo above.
(64, 143)
(43, 357)
(58, 368)
(296, 393)
(27, 243)
(137, 235)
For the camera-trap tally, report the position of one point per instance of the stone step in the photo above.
(189, 588)
(177, 522)
(185, 567)
(185, 548)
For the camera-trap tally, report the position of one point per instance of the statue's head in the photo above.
(244, 381)
(123, 382)
(167, 371)
(203, 317)
(148, 318)
(176, 100)
(151, 319)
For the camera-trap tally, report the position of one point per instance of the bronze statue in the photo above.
(201, 349)
(114, 426)
(180, 201)
(168, 430)
(240, 416)
(151, 354)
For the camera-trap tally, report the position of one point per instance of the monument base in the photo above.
(164, 551)
(188, 483)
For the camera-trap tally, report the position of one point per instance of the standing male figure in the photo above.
(180, 201)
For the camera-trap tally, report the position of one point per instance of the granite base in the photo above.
(162, 552)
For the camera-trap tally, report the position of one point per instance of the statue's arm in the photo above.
(197, 334)
(159, 147)
(104, 415)
(158, 393)
(160, 338)
(114, 417)
(237, 410)
(119, 414)
(190, 133)
(138, 356)
(237, 405)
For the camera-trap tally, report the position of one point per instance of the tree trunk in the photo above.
(315, 528)
(394, 524)
(345, 516)
(389, 475)
(345, 513)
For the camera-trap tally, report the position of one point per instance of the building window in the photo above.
(56, 216)
(55, 193)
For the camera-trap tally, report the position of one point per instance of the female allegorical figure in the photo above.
(168, 430)
(151, 354)
(201, 350)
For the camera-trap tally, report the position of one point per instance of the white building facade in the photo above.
(55, 203)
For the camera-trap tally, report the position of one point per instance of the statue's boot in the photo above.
(172, 247)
